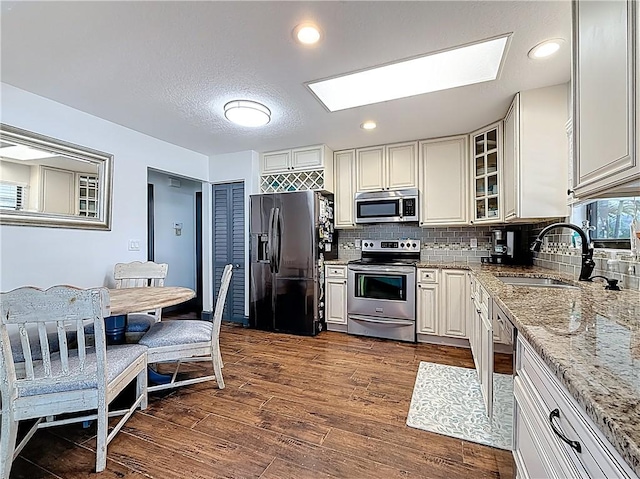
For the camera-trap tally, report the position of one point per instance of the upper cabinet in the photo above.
(486, 165)
(345, 188)
(443, 181)
(606, 51)
(535, 145)
(388, 167)
(306, 168)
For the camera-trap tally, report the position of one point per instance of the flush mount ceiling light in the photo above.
(368, 125)
(546, 48)
(307, 33)
(247, 113)
(22, 152)
(460, 66)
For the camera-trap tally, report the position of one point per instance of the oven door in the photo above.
(379, 210)
(382, 291)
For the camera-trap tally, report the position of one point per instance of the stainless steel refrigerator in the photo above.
(291, 236)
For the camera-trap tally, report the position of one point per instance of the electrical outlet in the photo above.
(134, 245)
(358, 243)
(474, 242)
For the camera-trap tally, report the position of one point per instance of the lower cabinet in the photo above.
(480, 327)
(336, 297)
(441, 305)
(553, 435)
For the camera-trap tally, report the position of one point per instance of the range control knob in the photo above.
(401, 245)
(413, 245)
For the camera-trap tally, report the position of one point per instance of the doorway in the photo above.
(229, 246)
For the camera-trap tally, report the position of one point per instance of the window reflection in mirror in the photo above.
(48, 182)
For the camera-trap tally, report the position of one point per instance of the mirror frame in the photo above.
(104, 162)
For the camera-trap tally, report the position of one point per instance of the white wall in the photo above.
(240, 166)
(175, 205)
(47, 256)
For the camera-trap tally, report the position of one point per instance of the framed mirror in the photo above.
(52, 183)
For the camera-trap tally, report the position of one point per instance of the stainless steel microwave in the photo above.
(387, 206)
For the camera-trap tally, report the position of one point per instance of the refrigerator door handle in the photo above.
(270, 241)
(277, 239)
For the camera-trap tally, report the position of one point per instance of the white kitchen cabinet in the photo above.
(486, 362)
(606, 103)
(336, 297)
(443, 174)
(387, 167)
(453, 311)
(427, 308)
(486, 174)
(538, 393)
(297, 159)
(345, 187)
(535, 144)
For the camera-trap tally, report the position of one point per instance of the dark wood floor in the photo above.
(294, 407)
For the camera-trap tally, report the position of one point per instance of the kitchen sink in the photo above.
(536, 282)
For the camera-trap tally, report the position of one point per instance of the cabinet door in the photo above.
(370, 171)
(486, 367)
(486, 166)
(427, 308)
(336, 303)
(511, 157)
(58, 191)
(276, 161)
(402, 166)
(444, 192)
(307, 158)
(344, 187)
(453, 311)
(604, 95)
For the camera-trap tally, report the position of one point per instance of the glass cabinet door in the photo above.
(486, 175)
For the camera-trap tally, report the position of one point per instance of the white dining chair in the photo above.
(189, 340)
(139, 274)
(81, 379)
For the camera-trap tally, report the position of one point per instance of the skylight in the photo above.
(461, 66)
(22, 152)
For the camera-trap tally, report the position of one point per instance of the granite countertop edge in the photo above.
(609, 425)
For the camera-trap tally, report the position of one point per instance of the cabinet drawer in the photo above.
(427, 275)
(597, 458)
(336, 272)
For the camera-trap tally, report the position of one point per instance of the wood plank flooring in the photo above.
(332, 406)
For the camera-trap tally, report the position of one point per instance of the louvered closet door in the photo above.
(228, 246)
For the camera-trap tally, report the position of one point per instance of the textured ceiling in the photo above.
(167, 68)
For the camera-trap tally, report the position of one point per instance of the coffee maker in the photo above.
(507, 248)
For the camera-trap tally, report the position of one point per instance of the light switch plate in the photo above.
(134, 245)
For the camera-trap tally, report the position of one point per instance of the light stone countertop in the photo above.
(589, 337)
(337, 262)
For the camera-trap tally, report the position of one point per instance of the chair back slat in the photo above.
(82, 353)
(64, 350)
(26, 351)
(57, 309)
(44, 348)
(225, 281)
(139, 274)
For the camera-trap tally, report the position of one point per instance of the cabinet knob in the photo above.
(570, 192)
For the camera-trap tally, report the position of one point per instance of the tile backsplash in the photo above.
(438, 244)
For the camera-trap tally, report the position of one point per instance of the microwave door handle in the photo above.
(401, 207)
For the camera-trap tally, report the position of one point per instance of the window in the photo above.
(11, 196)
(612, 219)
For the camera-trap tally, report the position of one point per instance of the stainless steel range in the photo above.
(381, 289)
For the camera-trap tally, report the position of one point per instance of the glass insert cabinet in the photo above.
(486, 170)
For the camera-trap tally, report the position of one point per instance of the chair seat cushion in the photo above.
(179, 331)
(34, 342)
(139, 322)
(118, 359)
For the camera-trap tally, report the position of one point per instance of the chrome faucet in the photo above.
(587, 248)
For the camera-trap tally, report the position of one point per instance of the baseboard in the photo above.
(444, 340)
(342, 328)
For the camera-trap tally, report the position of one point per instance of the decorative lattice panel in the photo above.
(298, 181)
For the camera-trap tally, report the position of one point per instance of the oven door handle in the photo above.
(377, 269)
(399, 322)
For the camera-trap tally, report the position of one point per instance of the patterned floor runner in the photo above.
(448, 400)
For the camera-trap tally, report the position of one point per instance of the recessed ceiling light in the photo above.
(368, 125)
(466, 65)
(546, 48)
(307, 33)
(247, 113)
(22, 152)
